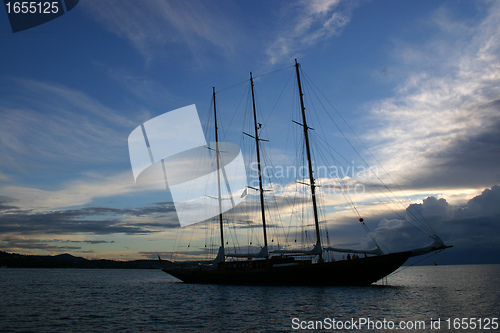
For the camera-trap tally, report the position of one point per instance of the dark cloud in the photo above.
(488, 203)
(4, 203)
(472, 228)
(12, 242)
(92, 220)
(469, 162)
(78, 241)
(8, 243)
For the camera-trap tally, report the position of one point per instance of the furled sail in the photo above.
(375, 251)
(263, 253)
(435, 246)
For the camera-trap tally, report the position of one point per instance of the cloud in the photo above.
(432, 209)
(12, 243)
(74, 193)
(486, 204)
(313, 22)
(151, 25)
(4, 177)
(150, 92)
(4, 203)
(90, 220)
(471, 227)
(440, 129)
(15, 243)
(46, 124)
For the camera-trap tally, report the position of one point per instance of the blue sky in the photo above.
(418, 81)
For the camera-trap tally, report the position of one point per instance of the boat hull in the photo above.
(355, 272)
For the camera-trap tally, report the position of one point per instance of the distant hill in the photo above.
(66, 260)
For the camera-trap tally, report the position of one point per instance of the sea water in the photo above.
(443, 298)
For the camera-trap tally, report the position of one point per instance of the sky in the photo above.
(417, 81)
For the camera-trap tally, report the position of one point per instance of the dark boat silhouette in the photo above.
(290, 267)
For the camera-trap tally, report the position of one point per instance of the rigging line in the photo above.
(191, 237)
(376, 186)
(344, 190)
(343, 134)
(208, 232)
(317, 144)
(250, 147)
(306, 213)
(284, 199)
(281, 185)
(370, 234)
(278, 212)
(232, 87)
(355, 210)
(265, 161)
(273, 72)
(296, 219)
(268, 161)
(243, 82)
(394, 211)
(213, 225)
(349, 201)
(245, 212)
(390, 199)
(292, 214)
(246, 112)
(231, 229)
(208, 118)
(289, 129)
(280, 181)
(244, 207)
(359, 139)
(279, 97)
(428, 229)
(292, 202)
(336, 151)
(322, 211)
(245, 217)
(277, 222)
(345, 193)
(234, 114)
(419, 213)
(402, 269)
(400, 216)
(174, 245)
(342, 183)
(233, 234)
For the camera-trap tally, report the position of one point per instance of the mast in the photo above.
(221, 255)
(261, 190)
(309, 163)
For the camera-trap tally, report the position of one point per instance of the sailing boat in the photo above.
(292, 267)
